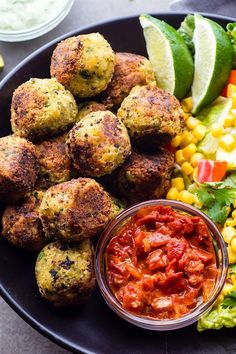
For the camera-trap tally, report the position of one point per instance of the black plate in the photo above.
(93, 328)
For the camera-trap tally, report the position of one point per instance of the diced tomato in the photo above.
(175, 249)
(156, 260)
(231, 80)
(211, 171)
(219, 171)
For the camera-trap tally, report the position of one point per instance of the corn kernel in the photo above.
(186, 116)
(233, 244)
(217, 130)
(178, 183)
(189, 150)
(179, 158)
(199, 132)
(234, 214)
(233, 112)
(187, 104)
(231, 91)
(219, 299)
(192, 122)
(228, 233)
(232, 256)
(172, 193)
(227, 142)
(186, 197)
(230, 222)
(186, 138)
(197, 203)
(187, 168)
(229, 121)
(227, 288)
(175, 142)
(234, 203)
(195, 158)
(191, 177)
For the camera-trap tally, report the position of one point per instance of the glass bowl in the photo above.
(22, 35)
(149, 323)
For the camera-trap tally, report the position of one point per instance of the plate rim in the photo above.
(36, 325)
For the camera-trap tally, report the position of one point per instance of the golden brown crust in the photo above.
(151, 115)
(130, 70)
(42, 108)
(65, 273)
(83, 64)
(75, 210)
(65, 59)
(143, 176)
(98, 144)
(26, 101)
(89, 107)
(18, 168)
(91, 208)
(22, 226)
(55, 165)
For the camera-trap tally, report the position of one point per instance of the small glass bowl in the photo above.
(155, 324)
(39, 30)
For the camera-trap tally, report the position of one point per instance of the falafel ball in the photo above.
(143, 176)
(130, 70)
(18, 168)
(55, 165)
(151, 115)
(83, 64)
(42, 108)
(22, 226)
(77, 209)
(65, 273)
(98, 144)
(89, 107)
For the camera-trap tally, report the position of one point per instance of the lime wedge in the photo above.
(1, 63)
(213, 62)
(169, 55)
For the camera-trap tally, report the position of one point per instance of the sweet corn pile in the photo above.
(187, 157)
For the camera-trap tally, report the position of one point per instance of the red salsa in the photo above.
(161, 264)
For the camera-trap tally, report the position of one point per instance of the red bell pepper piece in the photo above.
(211, 171)
(231, 80)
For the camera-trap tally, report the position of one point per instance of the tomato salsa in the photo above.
(161, 264)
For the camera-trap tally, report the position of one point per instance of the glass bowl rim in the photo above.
(40, 29)
(145, 322)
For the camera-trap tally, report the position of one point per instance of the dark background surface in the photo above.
(93, 328)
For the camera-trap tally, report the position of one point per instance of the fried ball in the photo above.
(55, 165)
(89, 107)
(42, 108)
(143, 176)
(130, 70)
(83, 64)
(98, 144)
(77, 209)
(18, 168)
(65, 273)
(151, 115)
(22, 226)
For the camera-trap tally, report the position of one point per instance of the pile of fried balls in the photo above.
(86, 142)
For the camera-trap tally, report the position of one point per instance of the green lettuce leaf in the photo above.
(217, 318)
